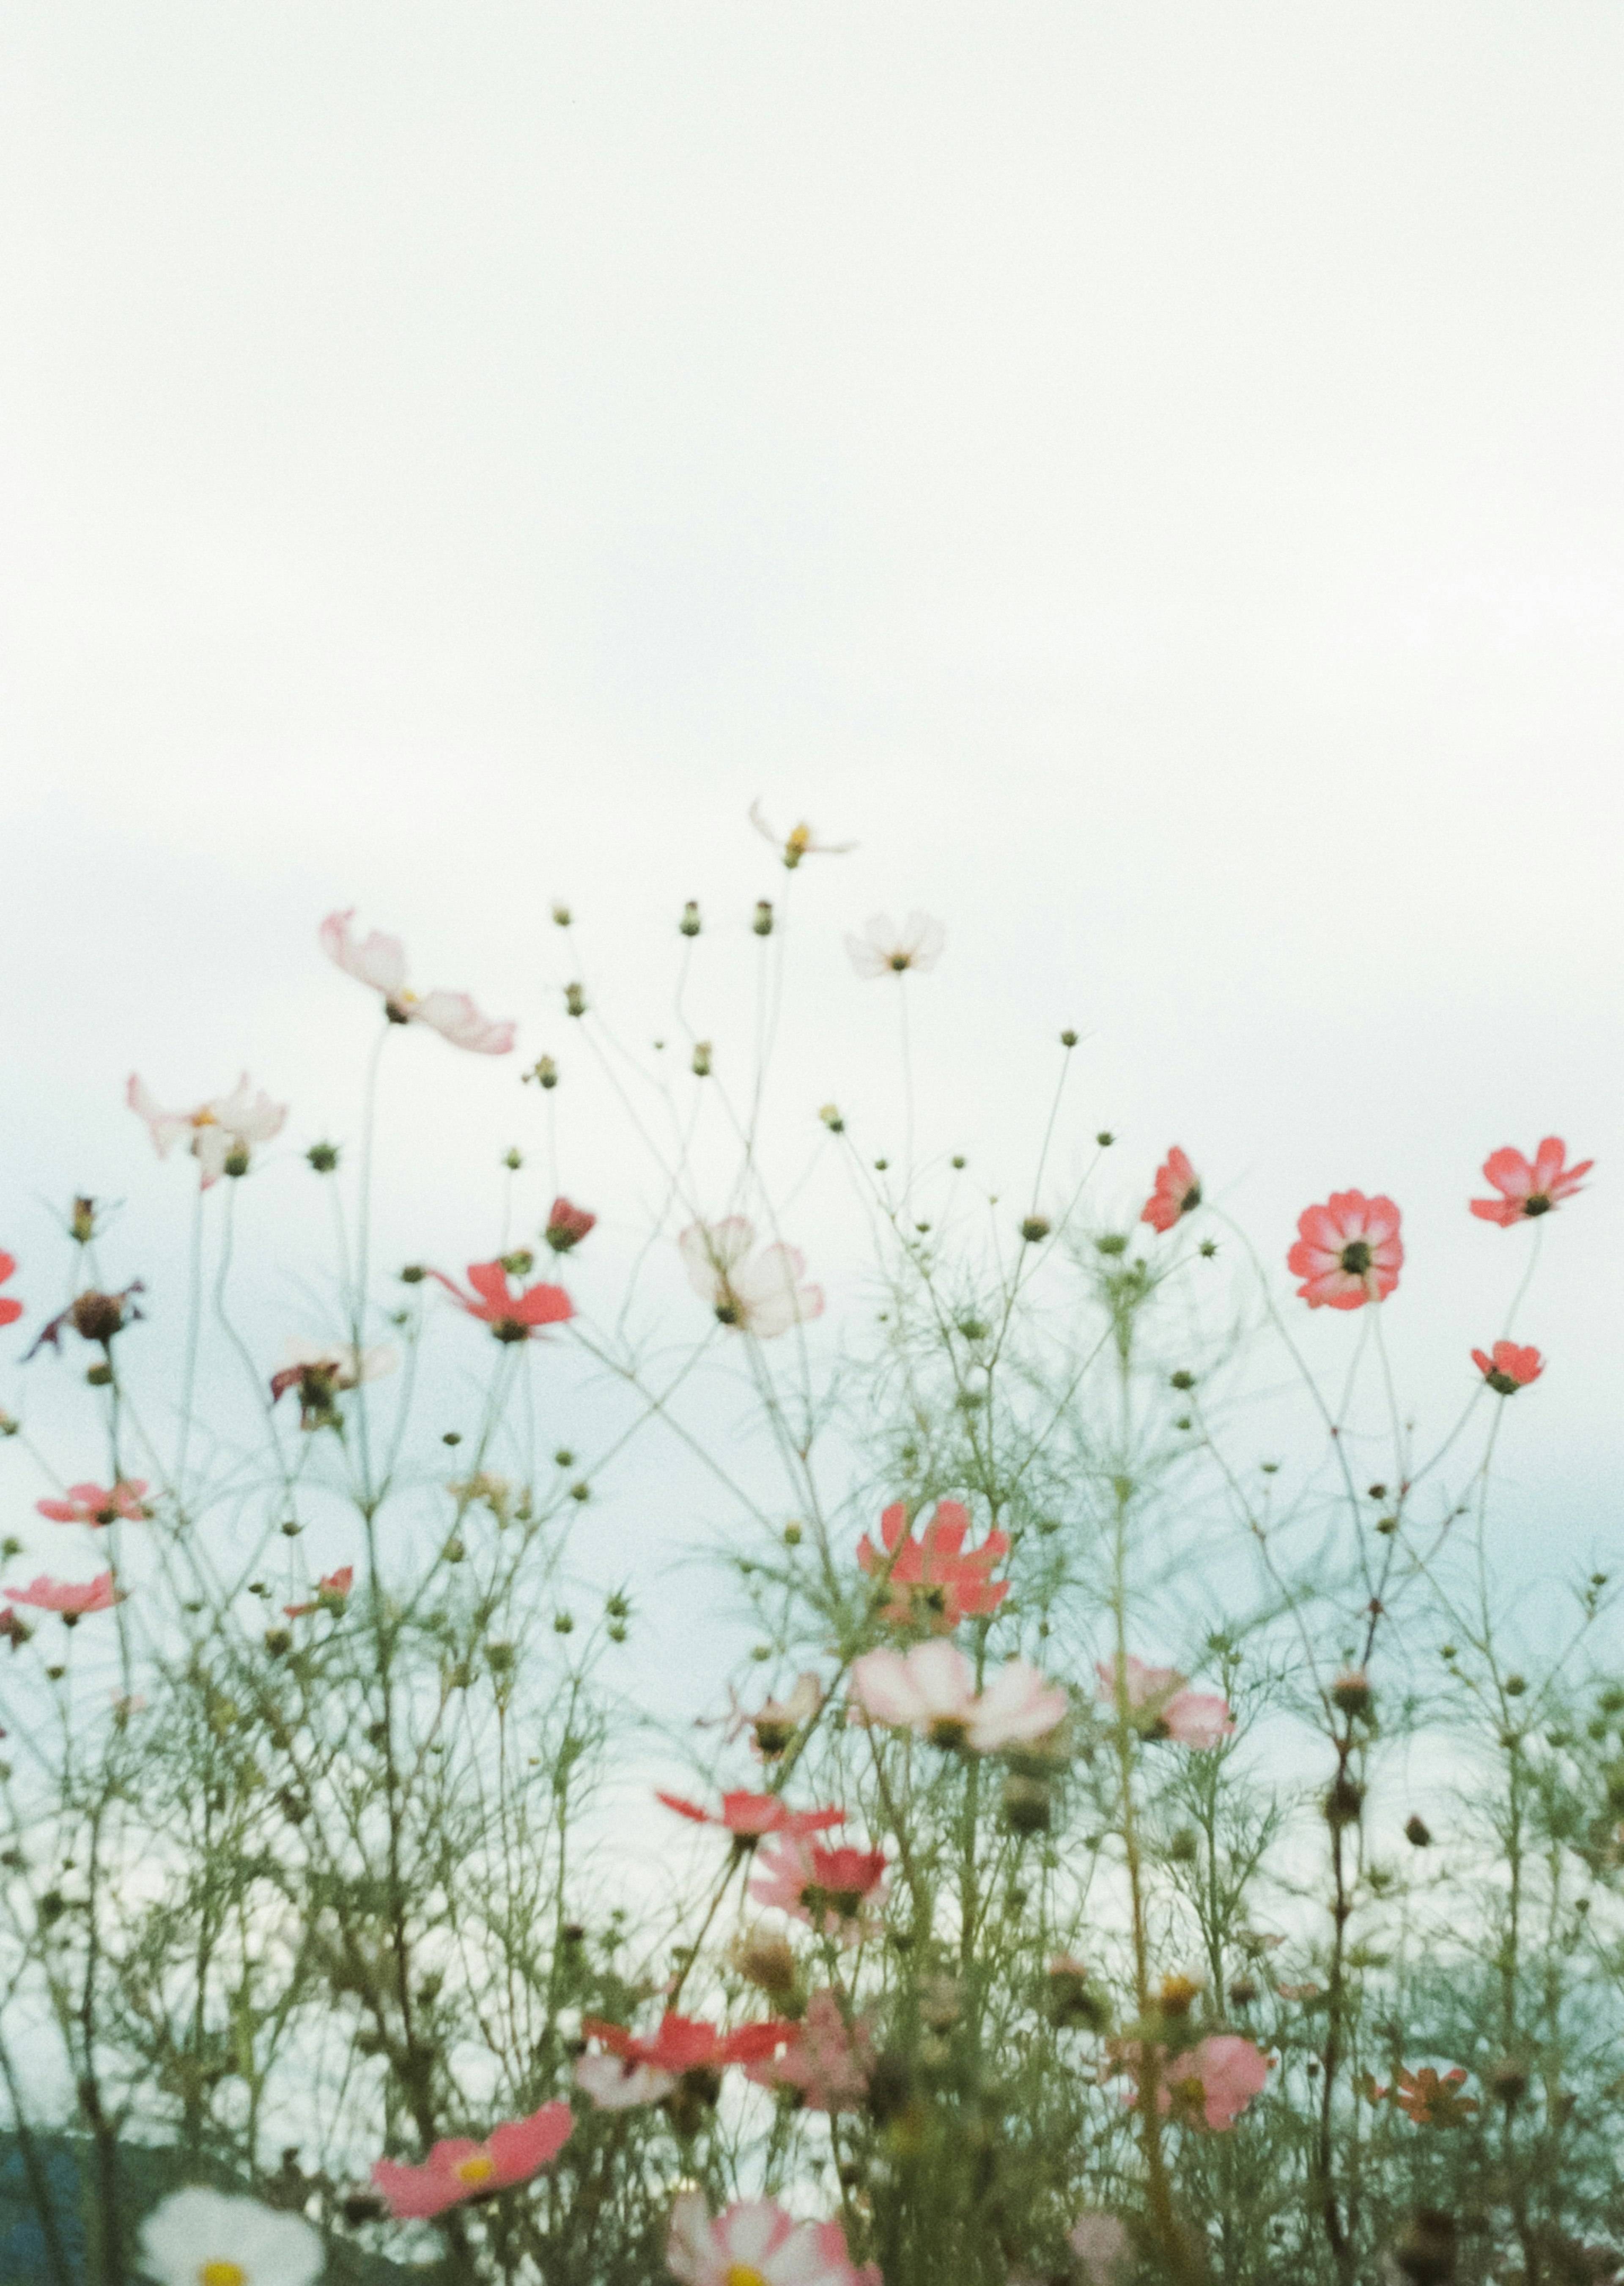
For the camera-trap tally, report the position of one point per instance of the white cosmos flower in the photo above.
(380, 961)
(207, 2238)
(759, 1292)
(343, 1363)
(799, 842)
(882, 948)
(227, 1126)
(932, 1690)
(619, 2084)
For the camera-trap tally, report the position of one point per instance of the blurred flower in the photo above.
(512, 1317)
(750, 1817)
(830, 2063)
(1430, 2101)
(637, 2071)
(916, 944)
(11, 1309)
(762, 1294)
(1177, 1192)
(94, 1317)
(221, 1131)
(97, 1505)
(1348, 1251)
(775, 1721)
(932, 1583)
(1528, 1187)
(318, 1370)
(1159, 1707)
(1210, 2085)
(617, 2084)
(1509, 1368)
(567, 1225)
(380, 961)
(462, 2170)
(332, 1593)
(73, 1599)
(756, 2243)
(832, 1890)
(799, 842)
(1100, 2243)
(205, 2238)
(931, 1688)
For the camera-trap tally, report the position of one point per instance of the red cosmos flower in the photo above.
(684, 2044)
(1509, 1368)
(567, 1225)
(1428, 2100)
(1528, 1187)
(463, 2169)
(750, 1817)
(1348, 1251)
(10, 1310)
(332, 1593)
(933, 1584)
(73, 1599)
(832, 1889)
(97, 1505)
(512, 1317)
(1177, 1193)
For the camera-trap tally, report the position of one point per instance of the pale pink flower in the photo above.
(1529, 1186)
(883, 949)
(460, 2169)
(931, 1690)
(1177, 1193)
(1100, 2243)
(317, 1369)
(830, 2063)
(775, 1721)
(72, 1598)
(1210, 2084)
(222, 1132)
(756, 2243)
(799, 842)
(1159, 1707)
(1348, 1251)
(834, 1890)
(763, 1293)
(98, 1504)
(380, 961)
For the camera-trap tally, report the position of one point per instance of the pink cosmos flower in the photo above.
(460, 2169)
(749, 1817)
(1159, 1707)
(931, 1688)
(1509, 1368)
(1210, 2084)
(799, 842)
(932, 1583)
(11, 1309)
(97, 1505)
(1529, 1186)
(1100, 2243)
(882, 948)
(834, 1890)
(775, 1721)
(512, 1317)
(1348, 1251)
(830, 2063)
(763, 1294)
(756, 2243)
(380, 961)
(636, 2071)
(223, 1132)
(567, 1225)
(332, 1593)
(1177, 1192)
(73, 1599)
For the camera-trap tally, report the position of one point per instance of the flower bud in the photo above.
(498, 1658)
(412, 1274)
(1351, 1692)
(762, 924)
(688, 925)
(562, 915)
(1343, 1802)
(236, 1163)
(1069, 1039)
(701, 1066)
(1181, 1380)
(765, 1959)
(574, 1001)
(323, 1157)
(99, 1376)
(82, 1221)
(563, 1624)
(513, 1160)
(1034, 1228)
(278, 1640)
(831, 1117)
(1113, 1243)
(543, 1071)
(520, 1263)
(1027, 1804)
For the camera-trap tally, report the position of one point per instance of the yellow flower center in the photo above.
(740, 2273)
(800, 838)
(222, 2273)
(479, 2169)
(204, 1118)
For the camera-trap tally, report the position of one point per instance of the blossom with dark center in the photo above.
(567, 1225)
(832, 1890)
(1177, 1192)
(1528, 1187)
(1507, 1367)
(751, 1818)
(98, 1504)
(1348, 1251)
(932, 1583)
(512, 1317)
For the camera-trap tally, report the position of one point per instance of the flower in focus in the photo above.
(799, 842)
(932, 1583)
(380, 961)
(931, 1688)
(830, 2063)
(636, 2071)
(98, 1504)
(1528, 1187)
(834, 1890)
(749, 1817)
(1159, 1707)
(756, 2243)
(512, 1317)
(11, 1309)
(332, 1593)
(462, 2170)
(1177, 1193)
(1430, 2101)
(916, 944)
(762, 1294)
(73, 1599)
(205, 2238)
(223, 1132)
(567, 1225)
(319, 1370)
(1507, 1369)
(1348, 1251)
(1100, 2243)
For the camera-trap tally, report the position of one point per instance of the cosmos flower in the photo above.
(380, 961)
(318, 1370)
(567, 1225)
(1348, 1251)
(1429, 2099)
(749, 1817)
(636, 2071)
(460, 2169)
(1210, 2085)
(932, 1583)
(764, 1293)
(223, 1132)
(205, 2238)
(1159, 1707)
(94, 1317)
(931, 1688)
(512, 1317)
(834, 1890)
(799, 842)
(882, 948)
(756, 2243)
(1177, 1192)
(98, 1504)
(775, 1721)
(11, 1309)
(830, 2063)
(72, 1598)
(1509, 1368)
(332, 1593)
(1528, 1187)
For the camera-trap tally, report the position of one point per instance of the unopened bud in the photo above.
(1343, 1802)
(562, 915)
(563, 1624)
(323, 1157)
(1027, 1804)
(575, 999)
(513, 1160)
(543, 1071)
(765, 1961)
(1112, 1244)
(1351, 1692)
(831, 1117)
(762, 923)
(99, 1376)
(278, 1640)
(237, 1163)
(701, 1066)
(1034, 1227)
(1069, 1039)
(412, 1274)
(520, 1263)
(1181, 1380)
(82, 1221)
(688, 925)
(498, 1658)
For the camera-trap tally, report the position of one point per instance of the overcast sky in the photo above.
(1152, 476)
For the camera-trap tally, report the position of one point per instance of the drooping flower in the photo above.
(634, 2071)
(199, 2237)
(1348, 1251)
(932, 1583)
(332, 1593)
(1100, 2243)
(1177, 1193)
(750, 1817)
(94, 1317)
(567, 1225)
(831, 2061)
(756, 2243)
(11, 1309)
(1529, 1186)
(834, 1890)
(799, 842)
(72, 1598)
(98, 1504)
(460, 2169)
(512, 1317)
(380, 961)
(1507, 1368)
(931, 1690)
(1210, 2085)
(223, 1132)
(882, 948)
(1159, 1706)
(764, 1293)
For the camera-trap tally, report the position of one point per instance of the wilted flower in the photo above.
(1177, 1193)
(1529, 1186)
(799, 842)
(98, 1504)
(72, 1598)
(830, 2063)
(11, 1309)
(832, 1890)
(380, 961)
(756, 2243)
(763, 1294)
(1159, 1707)
(460, 2169)
(1509, 1368)
(931, 1690)
(332, 1593)
(512, 1317)
(932, 1583)
(749, 1817)
(916, 944)
(1348, 1251)
(567, 1225)
(199, 2237)
(222, 1132)
(94, 1317)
